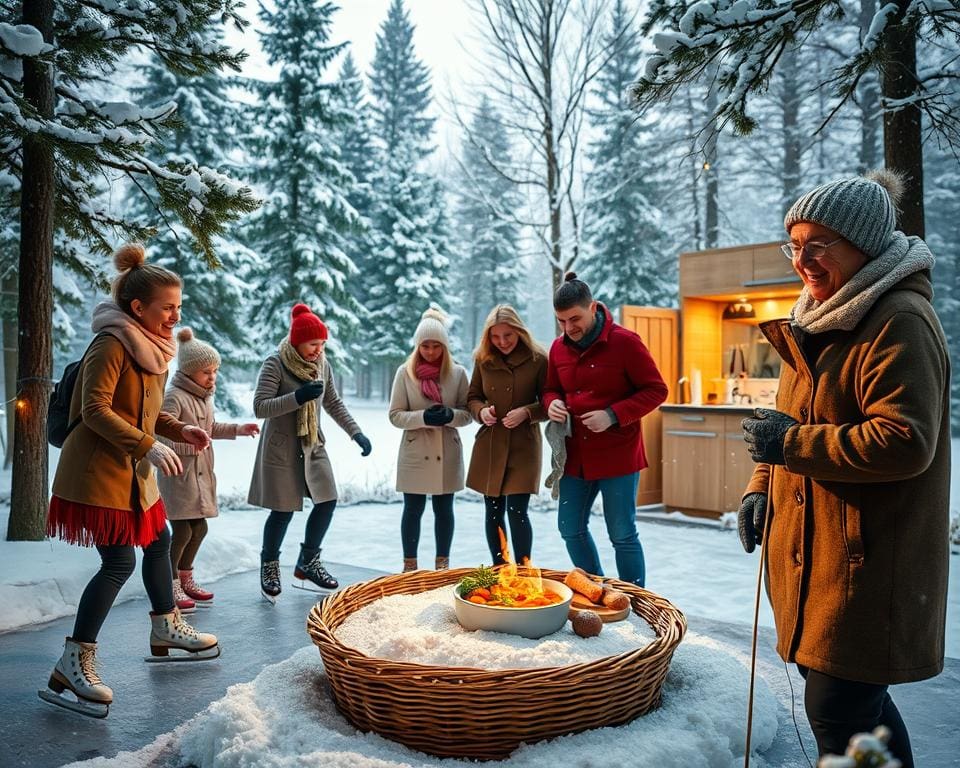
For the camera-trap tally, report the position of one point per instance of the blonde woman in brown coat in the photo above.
(851, 492)
(429, 403)
(105, 491)
(508, 375)
(191, 497)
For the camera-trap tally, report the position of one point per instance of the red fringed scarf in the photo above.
(91, 526)
(428, 374)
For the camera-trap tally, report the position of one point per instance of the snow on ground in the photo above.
(284, 719)
(699, 567)
(423, 629)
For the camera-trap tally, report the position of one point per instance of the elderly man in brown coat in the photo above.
(504, 396)
(851, 491)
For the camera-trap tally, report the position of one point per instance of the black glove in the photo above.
(364, 442)
(309, 391)
(437, 415)
(751, 519)
(764, 434)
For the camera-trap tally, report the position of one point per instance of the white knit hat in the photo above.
(432, 327)
(194, 355)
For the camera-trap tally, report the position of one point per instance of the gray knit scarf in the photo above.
(847, 307)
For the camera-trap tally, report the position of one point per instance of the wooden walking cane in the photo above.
(756, 618)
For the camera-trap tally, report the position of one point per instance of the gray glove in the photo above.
(750, 520)
(764, 434)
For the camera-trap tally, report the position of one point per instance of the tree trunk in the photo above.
(712, 179)
(8, 322)
(790, 104)
(869, 101)
(28, 500)
(902, 138)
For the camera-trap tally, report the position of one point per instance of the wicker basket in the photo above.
(473, 713)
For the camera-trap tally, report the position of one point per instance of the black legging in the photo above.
(413, 506)
(187, 537)
(117, 564)
(837, 709)
(275, 528)
(521, 532)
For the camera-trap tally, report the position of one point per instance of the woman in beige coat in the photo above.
(429, 403)
(851, 492)
(191, 497)
(292, 460)
(105, 490)
(508, 376)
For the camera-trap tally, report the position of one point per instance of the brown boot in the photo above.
(409, 564)
(442, 564)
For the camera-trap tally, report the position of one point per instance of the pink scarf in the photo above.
(428, 374)
(150, 351)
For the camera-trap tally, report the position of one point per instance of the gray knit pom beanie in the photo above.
(194, 355)
(862, 209)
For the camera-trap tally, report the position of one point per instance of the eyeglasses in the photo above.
(814, 250)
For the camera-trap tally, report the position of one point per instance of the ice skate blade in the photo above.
(309, 586)
(176, 655)
(272, 599)
(80, 706)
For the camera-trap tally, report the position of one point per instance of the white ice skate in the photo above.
(74, 683)
(172, 639)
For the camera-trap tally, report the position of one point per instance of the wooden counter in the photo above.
(706, 465)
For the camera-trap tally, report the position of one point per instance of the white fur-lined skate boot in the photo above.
(169, 632)
(74, 683)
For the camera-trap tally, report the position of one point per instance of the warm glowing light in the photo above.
(21, 404)
(706, 166)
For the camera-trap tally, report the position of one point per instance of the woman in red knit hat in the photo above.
(105, 491)
(292, 461)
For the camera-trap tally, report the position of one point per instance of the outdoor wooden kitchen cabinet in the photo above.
(706, 465)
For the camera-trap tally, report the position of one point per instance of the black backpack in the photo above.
(59, 425)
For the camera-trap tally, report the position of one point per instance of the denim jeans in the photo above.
(619, 496)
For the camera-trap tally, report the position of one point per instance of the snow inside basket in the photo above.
(423, 705)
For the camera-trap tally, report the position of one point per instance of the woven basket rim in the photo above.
(663, 644)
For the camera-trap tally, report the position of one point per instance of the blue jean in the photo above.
(619, 496)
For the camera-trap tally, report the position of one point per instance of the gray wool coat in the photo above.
(284, 472)
(194, 493)
(431, 458)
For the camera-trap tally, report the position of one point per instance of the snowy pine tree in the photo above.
(490, 269)
(206, 133)
(301, 232)
(630, 259)
(408, 221)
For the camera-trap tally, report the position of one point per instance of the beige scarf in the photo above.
(308, 426)
(847, 307)
(150, 351)
(184, 382)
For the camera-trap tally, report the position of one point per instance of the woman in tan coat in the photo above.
(292, 459)
(105, 492)
(851, 491)
(508, 375)
(191, 497)
(429, 403)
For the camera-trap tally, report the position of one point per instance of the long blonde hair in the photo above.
(504, 313)
(432, 327)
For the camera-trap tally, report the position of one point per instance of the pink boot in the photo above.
(193, 590)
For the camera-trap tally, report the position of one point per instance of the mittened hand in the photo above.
(437, 415)
(309, 391)
(750, 520)
(364, 443)
(764, 434)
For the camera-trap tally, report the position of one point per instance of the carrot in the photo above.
(477, 599)
(482, 592)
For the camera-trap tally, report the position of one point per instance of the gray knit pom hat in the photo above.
(194, 355)
(862, 209)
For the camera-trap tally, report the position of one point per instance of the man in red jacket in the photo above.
(602, 378)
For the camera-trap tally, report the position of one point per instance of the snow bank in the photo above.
(285, 719)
